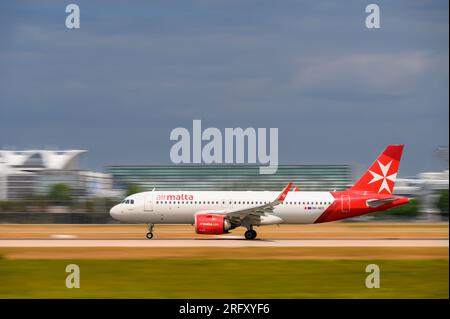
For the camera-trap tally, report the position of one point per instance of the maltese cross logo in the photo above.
(384, 171)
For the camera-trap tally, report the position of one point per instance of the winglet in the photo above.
(284, 193)
(296, 188)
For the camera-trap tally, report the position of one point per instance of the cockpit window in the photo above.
(127, 201)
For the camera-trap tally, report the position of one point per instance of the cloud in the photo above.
(362, 74)
(309, 68)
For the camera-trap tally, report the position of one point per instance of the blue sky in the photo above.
(337, 91)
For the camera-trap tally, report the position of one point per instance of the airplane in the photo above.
(219, 212)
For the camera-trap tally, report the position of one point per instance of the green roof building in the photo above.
(231, 177)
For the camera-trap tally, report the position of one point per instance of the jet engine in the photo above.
(212, 224)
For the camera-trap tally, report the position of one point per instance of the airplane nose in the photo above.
(114, 212)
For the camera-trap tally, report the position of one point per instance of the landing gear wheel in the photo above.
(250, 234)
(149, 235)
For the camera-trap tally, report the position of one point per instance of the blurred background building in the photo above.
(46, 181)
(429, 188)
(231, 177)
(31, 173)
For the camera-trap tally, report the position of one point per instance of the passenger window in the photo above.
(132, 201)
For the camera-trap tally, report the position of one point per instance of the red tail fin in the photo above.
(380, 177)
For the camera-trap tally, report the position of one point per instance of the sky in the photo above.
(337, 91)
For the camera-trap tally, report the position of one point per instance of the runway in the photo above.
(223, 242)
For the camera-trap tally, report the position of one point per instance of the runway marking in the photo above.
(223, 242)
(63, 236)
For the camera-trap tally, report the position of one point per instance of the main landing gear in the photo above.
(149, 235)
(250, 234)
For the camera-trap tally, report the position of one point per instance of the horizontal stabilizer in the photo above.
(374, 203)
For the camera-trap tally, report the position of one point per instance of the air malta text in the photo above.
(175, 197)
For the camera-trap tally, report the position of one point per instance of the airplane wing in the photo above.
(258, 211)
(374, 203)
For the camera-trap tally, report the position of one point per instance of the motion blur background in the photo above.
(86, 114)
(43, 186)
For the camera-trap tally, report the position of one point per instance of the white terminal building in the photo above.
(426, 187)
(24, 174)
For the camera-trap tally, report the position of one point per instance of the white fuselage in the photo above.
(179, 207)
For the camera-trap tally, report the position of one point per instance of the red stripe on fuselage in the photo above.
(349, 204)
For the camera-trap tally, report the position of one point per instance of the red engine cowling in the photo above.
(211, 224)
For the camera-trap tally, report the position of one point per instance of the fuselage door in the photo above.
(345, 203)
(226, 203)
(148, 204)
(223, 203)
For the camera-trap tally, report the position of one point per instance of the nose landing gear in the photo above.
(149, 235)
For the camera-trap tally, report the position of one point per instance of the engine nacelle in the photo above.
(211, 224)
